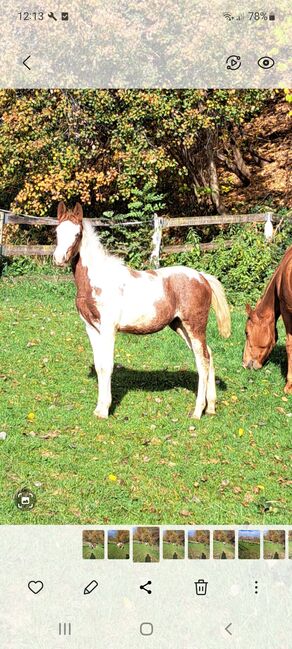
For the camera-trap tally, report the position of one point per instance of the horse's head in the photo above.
(261, 337)
(69, 233)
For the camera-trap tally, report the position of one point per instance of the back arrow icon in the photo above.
(24, 62)
(227, 628)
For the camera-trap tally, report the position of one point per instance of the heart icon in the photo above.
(35, 586)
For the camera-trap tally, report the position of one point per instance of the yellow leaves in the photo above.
(30, 416)
(258, 488)
(112, 478)
(240, 432)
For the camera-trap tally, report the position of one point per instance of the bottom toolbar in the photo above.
(51, 597)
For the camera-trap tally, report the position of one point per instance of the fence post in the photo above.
(2, 217)
(268, 230)
(156, 241)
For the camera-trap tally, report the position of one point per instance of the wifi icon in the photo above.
(228, 16)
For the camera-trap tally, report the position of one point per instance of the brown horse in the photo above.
(112, 298)
(261, 326)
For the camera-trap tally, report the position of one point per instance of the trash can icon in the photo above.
(201, 587)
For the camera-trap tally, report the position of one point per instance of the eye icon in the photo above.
(266, 62)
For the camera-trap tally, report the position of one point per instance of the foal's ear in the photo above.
(61, 210)
(78, 212)
(248, 310)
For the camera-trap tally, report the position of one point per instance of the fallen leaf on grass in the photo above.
(185, 512)
(248, 498)
(50, 435)
(112, 478)
(30, 416)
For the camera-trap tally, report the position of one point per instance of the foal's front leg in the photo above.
(103, 353)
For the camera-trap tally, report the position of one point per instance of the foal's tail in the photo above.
(220, 305)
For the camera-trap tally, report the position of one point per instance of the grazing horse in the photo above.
(112, 297)
(261, 327)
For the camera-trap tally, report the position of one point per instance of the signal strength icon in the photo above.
(228, 16)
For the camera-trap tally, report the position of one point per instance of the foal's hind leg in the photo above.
(211, 386)
(205, 367)
(201, 354)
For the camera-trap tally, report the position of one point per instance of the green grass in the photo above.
(249, 550)
(270, 549)
(219, 548)
(98, 552)
(195, 550)
(148, 463)
(169, 549)
(118, 553)
(141, 550)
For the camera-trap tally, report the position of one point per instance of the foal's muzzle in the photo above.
(59, 262)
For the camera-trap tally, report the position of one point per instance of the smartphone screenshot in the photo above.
(146, 324)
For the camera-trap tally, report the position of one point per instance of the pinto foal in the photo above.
(112, 297)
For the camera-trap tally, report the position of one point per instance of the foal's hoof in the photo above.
(195, 415)
(288, 388)
(210, 411)
(101, 414)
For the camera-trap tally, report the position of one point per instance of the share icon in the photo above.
(144, 587)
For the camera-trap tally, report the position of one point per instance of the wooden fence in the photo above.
(160, 224)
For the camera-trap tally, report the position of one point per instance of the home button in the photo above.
(146, 628)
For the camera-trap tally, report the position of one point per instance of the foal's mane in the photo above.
(93, 247)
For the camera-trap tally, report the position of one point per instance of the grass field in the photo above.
(195, 550)
(219, 548)
(98, 551)
(270, 549)
(249, 550)
(148, 462)
(118, 553)
(169, 549)
(141, 550)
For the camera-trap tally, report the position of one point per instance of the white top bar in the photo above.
(139, 43)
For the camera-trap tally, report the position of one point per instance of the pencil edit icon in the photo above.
(90, 587)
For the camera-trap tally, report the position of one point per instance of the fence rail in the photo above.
(160, 224)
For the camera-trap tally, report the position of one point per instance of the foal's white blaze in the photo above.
(66, 235)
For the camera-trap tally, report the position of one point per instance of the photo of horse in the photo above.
(112, 297)
(124, 214)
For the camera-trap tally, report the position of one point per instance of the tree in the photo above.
(103, 146)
